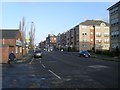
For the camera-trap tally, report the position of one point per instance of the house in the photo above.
(10, 41)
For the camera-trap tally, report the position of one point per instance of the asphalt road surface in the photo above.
(60, 70)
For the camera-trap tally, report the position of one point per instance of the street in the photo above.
(60, 70)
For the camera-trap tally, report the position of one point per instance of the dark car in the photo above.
(37, 54)
(83, 53)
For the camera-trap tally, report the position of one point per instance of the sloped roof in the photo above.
(9, 33)
(93, 22)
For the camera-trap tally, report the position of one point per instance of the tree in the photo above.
(22, 29)
(32, 35)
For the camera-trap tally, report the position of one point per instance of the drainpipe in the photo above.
(94, 38)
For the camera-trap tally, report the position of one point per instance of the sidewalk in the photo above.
(25, 58)
(103, 57)
(99, 56)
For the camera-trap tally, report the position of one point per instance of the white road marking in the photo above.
(98, 66)
(31, 61)
(55, 74)
(43, 65)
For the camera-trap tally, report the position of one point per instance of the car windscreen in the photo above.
(37, 51)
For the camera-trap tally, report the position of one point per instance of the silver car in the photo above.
(38, 54)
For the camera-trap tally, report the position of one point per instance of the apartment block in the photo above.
(63, 40)
(94, 34)
(68, 38)
(58, 41)
(114, 19)
(88, 35)
(76, 37)
(51, 40)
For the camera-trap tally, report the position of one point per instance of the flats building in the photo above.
(114, 19)
(94, 35)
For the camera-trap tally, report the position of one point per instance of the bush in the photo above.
(106, 52)
(98, 52)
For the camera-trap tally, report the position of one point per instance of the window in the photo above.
(84, 26)
(98, 40)
(106, 45)
(98, 34)
(83, 45)
(114, 21)
(91, 33)
(103, 24)
(84, 40)
(106, 34)
(114, 45)
(115, 33)
(114, 10)
(84, 33)
(106, 40)
(20, 49)
(16, 49)
(91, 39)
(98, 45)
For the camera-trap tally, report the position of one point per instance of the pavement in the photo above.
(98, 56)
(103, 57)
(25, 59)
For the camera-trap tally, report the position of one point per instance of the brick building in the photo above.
(51, 40)
(10, 41)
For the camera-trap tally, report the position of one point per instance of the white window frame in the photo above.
(20, 49)
(16, 49)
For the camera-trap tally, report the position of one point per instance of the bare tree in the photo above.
(22, 29)
(32, 35)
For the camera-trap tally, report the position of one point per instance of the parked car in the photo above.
(37, 54)
(83, 53)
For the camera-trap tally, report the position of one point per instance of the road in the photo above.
(60, 70)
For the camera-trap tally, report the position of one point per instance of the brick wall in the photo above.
(5, 54)
(11, 42)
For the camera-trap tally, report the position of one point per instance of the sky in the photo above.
(51, 17)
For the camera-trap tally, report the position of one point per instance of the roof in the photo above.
(9, 33)
(93, 22)
(113, 6)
